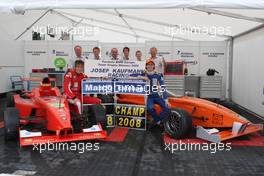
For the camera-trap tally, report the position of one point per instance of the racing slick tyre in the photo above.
(11, 120)
(10, 99)
(178, 123)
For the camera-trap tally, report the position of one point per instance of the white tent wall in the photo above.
(35, 55)
(205, 54)
(11, 62)
(214, 55)
(248, 72)
(41, 54)
(20, 57)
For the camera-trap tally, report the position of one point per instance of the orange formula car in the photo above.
(187, 112)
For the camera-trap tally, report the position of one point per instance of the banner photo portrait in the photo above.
(113, 68)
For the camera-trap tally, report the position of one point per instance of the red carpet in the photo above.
(249, 140)
(116, 135)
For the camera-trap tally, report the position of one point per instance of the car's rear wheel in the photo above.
(10, 99)
(11, 120)
(178, 123)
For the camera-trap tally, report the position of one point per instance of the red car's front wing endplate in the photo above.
(66, 138)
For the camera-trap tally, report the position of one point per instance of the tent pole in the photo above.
(125, 21)
(29, 27)
(161, 23)
(108, 29)
(228, 14)
(230, 68)
(122, 26)
(116, 31)
(249, 31)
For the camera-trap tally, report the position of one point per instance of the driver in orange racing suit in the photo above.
(73, 89)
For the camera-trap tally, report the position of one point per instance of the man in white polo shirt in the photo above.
(138, 55)
(114, 54)
(96, 53)
(160, 63)
(126, 53)
(78, 56)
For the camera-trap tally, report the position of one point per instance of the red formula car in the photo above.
(43, 116)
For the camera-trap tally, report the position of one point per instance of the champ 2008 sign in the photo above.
(128, 116)
(113, 68)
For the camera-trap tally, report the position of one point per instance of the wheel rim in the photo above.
(174, 122)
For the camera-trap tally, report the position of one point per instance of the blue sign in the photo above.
(110, 87)
(97, 87)
(130, 87)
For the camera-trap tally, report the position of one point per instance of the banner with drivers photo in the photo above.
(113, 68)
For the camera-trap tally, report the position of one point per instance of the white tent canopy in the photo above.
(23, 5)
(135, 25)
(132, 21)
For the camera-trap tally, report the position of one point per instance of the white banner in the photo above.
(35, 54)
(113, 68)
(59, 50)
(189, 55)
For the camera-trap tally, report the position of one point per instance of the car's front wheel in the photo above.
(178, 123)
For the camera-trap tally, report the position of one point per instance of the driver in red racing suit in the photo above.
(72, 88)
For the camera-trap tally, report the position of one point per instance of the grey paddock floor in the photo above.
(142, 153)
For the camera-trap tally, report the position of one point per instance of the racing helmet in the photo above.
(45, 82)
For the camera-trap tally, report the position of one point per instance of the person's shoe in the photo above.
(153, 124)
(89, 125)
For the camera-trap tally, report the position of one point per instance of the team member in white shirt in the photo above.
(138, 55)
(78, 56)
(126, 53)
(160, 63)
(114, 54)
(96, 53)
